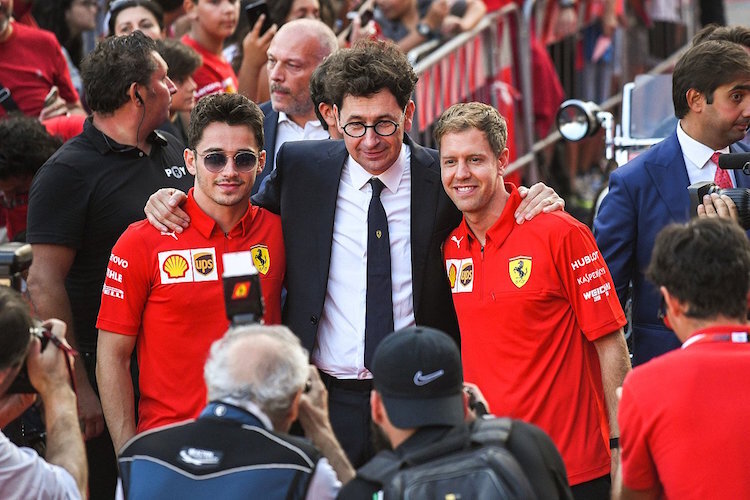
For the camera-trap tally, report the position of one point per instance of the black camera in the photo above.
(15, 260)
(740, 197)
(22, 383)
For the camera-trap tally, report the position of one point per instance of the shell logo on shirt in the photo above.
(175, 266)
(460, 274)
(261, 258)
(519, 269)
(187, 266)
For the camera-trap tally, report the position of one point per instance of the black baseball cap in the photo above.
(418, 373)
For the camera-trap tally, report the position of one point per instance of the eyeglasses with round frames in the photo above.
(383, 128)
(215, 161)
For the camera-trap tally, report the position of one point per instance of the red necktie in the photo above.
(721, 177)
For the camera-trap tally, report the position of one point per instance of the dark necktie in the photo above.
(379, 314)
(721, 177)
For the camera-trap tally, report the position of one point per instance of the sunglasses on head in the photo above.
(215, 161)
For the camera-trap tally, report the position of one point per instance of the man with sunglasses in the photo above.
(163, 291)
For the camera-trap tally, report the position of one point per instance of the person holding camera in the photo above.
(259, 381)
(163, 292)
(23, 473)
(683, 415)
(711, 96)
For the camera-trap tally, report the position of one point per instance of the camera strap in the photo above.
(704, 338)
(6, 99)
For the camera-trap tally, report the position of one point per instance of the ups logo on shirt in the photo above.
(204, 263)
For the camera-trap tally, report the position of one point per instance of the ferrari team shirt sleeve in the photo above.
(588, 283)
(23, 474)
(127, 285)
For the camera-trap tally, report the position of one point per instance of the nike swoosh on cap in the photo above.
(420, 379)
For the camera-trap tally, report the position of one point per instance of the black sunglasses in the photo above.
(215, 161)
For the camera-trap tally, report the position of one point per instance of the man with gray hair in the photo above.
(259, 381)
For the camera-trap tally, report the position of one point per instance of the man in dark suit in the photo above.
(711, 94)
(295, 51)
(322, 189)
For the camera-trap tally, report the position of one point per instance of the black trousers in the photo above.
(596, 489)
(349, 410)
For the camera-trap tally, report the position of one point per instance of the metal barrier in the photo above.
(468, 67)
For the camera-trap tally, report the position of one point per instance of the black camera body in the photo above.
(243, 299)
(22, 383)
(740, 197)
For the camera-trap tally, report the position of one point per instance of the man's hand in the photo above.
(535, 200)
(56, 108)
(48, 369)
(718, 206)
(313, 405)
(255, 45)
(313, 416)
(565, 22)
(163, 210)
(90, 413)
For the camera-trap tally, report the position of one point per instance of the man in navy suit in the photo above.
(295, 51)
(711, 95)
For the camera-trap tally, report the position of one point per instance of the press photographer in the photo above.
(23, 473)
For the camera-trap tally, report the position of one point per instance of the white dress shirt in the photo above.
(698, 159)
(287, 130)
(340, 348)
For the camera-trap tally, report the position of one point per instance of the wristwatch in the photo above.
(424, 30)
(564, 4)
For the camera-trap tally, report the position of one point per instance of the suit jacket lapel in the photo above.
(328, 172)
(669, 175)
(424, 199)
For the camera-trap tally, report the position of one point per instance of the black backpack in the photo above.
(468, 463)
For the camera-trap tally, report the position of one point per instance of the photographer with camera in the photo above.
(259, 381)
(23, 474)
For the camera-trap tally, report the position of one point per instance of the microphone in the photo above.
(735, 161)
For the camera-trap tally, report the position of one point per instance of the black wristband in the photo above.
(614, 443)
(563, 4)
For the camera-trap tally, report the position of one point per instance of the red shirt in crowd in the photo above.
(215, 76)
(529, 304)
(682, 418)
(31, 63)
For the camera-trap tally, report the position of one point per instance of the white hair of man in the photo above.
(265, 365)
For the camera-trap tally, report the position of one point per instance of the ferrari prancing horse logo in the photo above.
(261, 258)
(519, 269)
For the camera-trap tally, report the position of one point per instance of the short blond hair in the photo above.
(464, 116)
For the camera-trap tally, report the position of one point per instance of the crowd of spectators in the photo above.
(356, 231)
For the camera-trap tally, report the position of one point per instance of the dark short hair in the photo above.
(169, 5)
(119, 5)
(24, 146)
(182, 60)
(735, 34)
(232, 109)
(116, 63)
(705, 67)
(483, 117)
(706, 264)
(369, 67)
(15, 322)
(319, 86)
